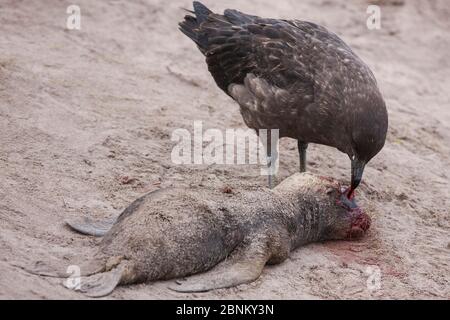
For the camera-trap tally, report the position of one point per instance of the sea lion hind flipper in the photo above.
(63, 269)
(245, 265)
(91, 228)
(100, 284)
(100, 228)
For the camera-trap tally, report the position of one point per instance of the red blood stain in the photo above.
(227, 189)
(126, 180)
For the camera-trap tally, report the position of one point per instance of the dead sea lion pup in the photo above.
(173, 233)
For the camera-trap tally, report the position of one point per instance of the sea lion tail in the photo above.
(91, 228)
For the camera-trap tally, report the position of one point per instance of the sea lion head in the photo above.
(345, 219)
(340, 217)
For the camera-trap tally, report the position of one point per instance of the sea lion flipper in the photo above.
(92, 228)
(100, 228)
(62, 269)
(244, 266)
(41, 268)
(100, 284)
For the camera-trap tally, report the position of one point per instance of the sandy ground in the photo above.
(80, 111)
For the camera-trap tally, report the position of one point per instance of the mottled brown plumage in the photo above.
(294, 76)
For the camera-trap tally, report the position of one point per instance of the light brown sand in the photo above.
(82, 110)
